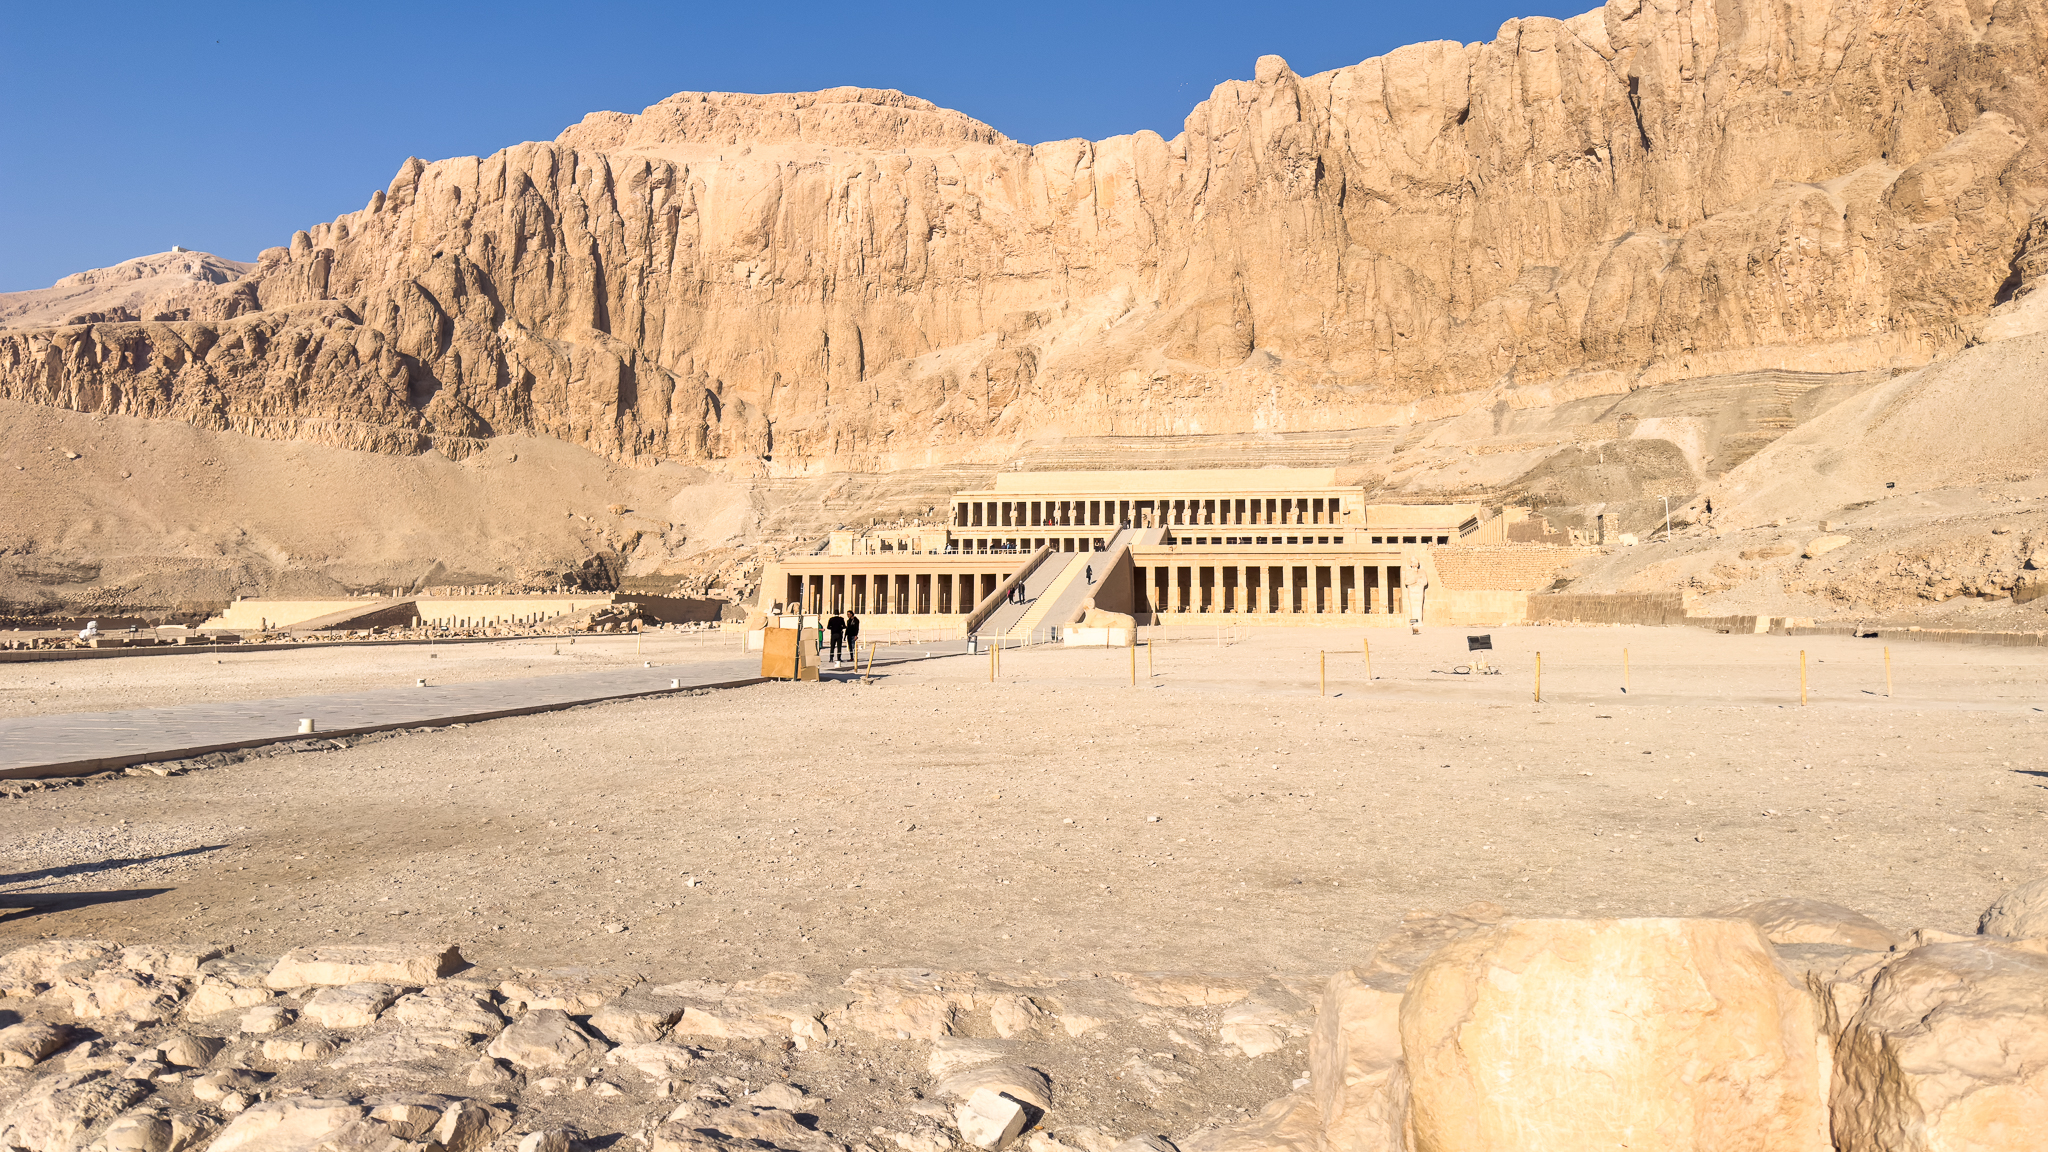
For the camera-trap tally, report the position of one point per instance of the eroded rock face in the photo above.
(857, 279)
(1949, 1052)
(1544, 1035)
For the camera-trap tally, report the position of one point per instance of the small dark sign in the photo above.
(1476, 643)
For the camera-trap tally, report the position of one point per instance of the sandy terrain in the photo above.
(934, 818)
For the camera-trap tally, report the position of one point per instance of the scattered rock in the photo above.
(390, 1051)
(489, 1073)
(1254, 1040)
(546, 1140)
(907, 1003)
(1013, 1080)
(151, 960)
(2020, 913)
(546, 1038)
(469, 1127)
(28, 1044)
(709, 1128)
(266, 1019)
(635, 1020)
(150, 1132)
(408, 1120)
(58, 1113)
(952, 1054)
(446, 1009)
(577, 991)
(300, 1049)
(238, 970)
(114, 992)
(988, 1120)
(184, 1050)
(656, 1060)
(1822, 545)
(1014, 1014)
(214, 1086)
(298, 1124)
(335, 966)
(214, 996)
(349, 1006)
(1797, 921)
(1181, 990)
(787, 1097)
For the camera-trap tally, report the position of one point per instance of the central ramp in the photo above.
(1054, 593)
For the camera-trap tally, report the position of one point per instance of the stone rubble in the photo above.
(1784, 1024)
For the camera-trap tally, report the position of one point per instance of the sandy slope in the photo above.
(1936, 477)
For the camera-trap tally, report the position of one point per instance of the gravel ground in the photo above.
(1221, 816)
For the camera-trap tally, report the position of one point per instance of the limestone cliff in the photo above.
(860, 280)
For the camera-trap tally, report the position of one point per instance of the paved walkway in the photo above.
(82, 743)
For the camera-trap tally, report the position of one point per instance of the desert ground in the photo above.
(1219, 816)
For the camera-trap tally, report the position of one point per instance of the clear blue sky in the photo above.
(130, 127)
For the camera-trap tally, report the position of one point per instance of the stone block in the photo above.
(339, 965)
(1575, 1035)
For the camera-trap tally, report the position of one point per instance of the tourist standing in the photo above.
(837, 627)
(853, 635)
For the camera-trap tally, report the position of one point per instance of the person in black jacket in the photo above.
(853, 635)
(837, 627)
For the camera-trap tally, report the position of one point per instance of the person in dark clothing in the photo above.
(837, 627)
(853, 635)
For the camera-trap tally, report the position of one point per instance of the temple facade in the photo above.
(1265, 545)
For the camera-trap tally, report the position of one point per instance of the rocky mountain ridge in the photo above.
(1583, 266)
(855, 280)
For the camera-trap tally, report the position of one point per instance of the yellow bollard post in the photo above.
(991, 664)
(1148, 659)
(1802, 677)
(1367, 641)
(1133, 646)
(1539, 677)
(1887, 671)
(1624, 671)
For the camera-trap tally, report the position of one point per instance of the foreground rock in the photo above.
(1780, 1026)
(1560, 1035)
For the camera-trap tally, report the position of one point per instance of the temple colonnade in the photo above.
(1314, 589)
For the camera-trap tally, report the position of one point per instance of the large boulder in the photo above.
(2018, 914)
(1791, 920)
(1949, 1054)
(1357, 1081)
(1575, 1035)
